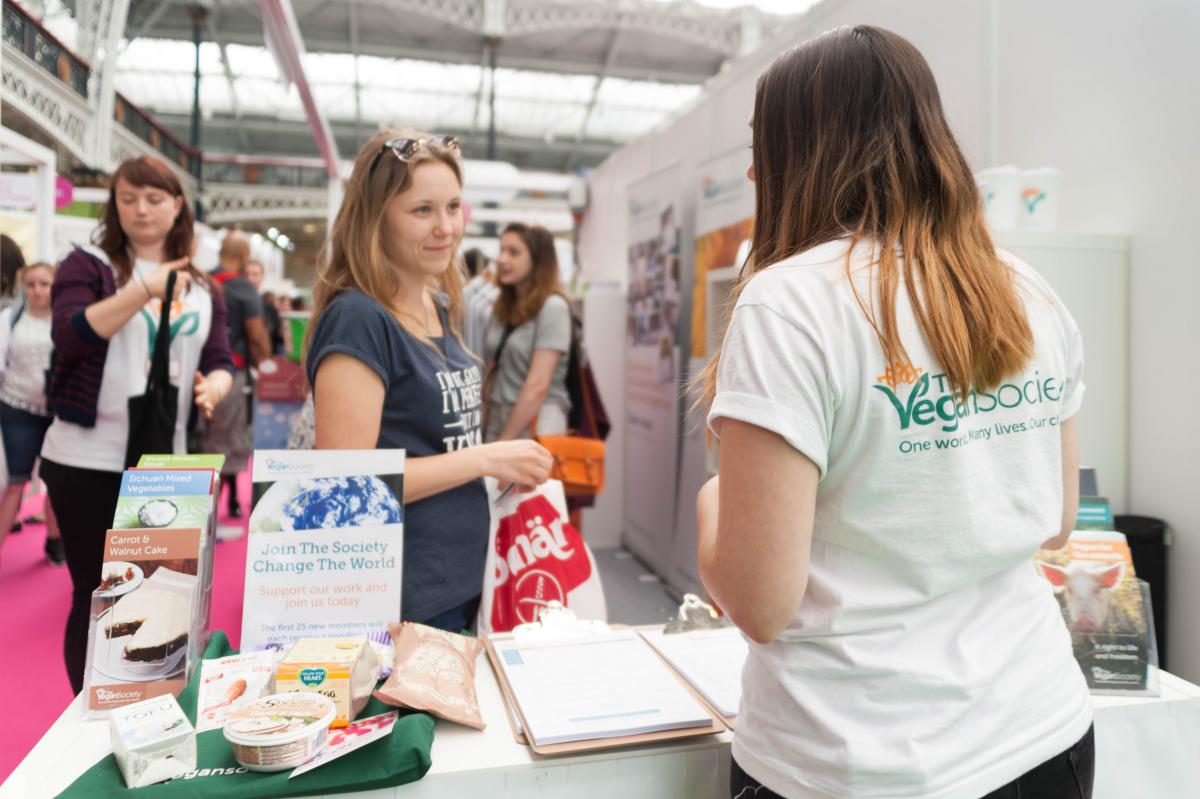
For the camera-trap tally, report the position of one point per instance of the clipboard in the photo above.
(730, 722)
(513, 711)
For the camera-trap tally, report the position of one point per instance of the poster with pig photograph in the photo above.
(1101, 601)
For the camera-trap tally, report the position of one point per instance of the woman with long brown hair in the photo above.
(894, 399)
(107, 301)
(527, 339)
(389, 370)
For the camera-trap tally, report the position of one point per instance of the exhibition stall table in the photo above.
(1144, 747)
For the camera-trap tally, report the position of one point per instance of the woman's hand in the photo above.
(210, 391)
(523, 462)
(110, 314)
(156, 283)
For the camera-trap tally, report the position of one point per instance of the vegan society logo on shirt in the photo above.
(921, 399)
(185, 319)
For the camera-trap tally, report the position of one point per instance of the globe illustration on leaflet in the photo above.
(325, 502)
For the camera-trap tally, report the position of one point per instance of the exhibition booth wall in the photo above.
(1100, 103)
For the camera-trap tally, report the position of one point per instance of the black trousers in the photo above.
(1067, 775)
(84, 500)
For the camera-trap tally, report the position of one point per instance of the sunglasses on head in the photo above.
(406, 149)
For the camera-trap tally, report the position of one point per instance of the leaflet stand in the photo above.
(1152, 688)
(557, 626)
(1149, 686)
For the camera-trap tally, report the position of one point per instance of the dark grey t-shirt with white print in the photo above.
(431, 406)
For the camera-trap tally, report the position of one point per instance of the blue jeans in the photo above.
(23, 433)
(1067, 775)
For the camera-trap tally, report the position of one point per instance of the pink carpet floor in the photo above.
(34, 598)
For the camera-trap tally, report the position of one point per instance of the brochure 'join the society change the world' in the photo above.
(325, 551)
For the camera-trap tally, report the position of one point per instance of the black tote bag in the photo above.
(152, 415)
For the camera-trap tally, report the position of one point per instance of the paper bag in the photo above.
(536, 556)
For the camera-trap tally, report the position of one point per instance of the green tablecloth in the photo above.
(400, 758)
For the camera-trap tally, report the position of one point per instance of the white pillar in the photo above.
(751, 31)
(336, 192)
(47, 172)
(494, 13)
(47, 165)
(105, 38)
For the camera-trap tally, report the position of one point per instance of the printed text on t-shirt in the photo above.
(461, 390)
(919, 409)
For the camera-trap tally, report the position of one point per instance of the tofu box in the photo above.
(152, 740)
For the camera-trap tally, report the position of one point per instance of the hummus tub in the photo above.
(280, 731)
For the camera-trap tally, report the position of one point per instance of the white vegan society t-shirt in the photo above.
(927, 658)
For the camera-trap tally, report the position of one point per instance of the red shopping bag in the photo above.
(535, 557)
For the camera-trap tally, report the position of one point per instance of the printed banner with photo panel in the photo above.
(653, 335)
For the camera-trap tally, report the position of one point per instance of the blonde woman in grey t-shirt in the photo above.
(528, 339)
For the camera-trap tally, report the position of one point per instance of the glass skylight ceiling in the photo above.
(158, 74)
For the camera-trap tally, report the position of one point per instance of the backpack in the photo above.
(579, 454)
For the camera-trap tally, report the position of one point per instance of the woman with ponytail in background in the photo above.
(871, 531)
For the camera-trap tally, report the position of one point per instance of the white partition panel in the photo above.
(1091, 275)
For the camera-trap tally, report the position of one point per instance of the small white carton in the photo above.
(152, 740)
(229, 683)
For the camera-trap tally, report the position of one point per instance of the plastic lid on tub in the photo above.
(279, 719)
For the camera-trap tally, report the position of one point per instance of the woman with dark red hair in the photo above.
(107, 303)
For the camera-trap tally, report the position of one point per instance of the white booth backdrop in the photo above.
(1095, 88)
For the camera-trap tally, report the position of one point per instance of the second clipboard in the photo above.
(518, 722)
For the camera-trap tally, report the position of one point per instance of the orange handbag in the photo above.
(578, 462)
(579, 456)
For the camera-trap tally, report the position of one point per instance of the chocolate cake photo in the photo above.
(157, 620)
(144, 634)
